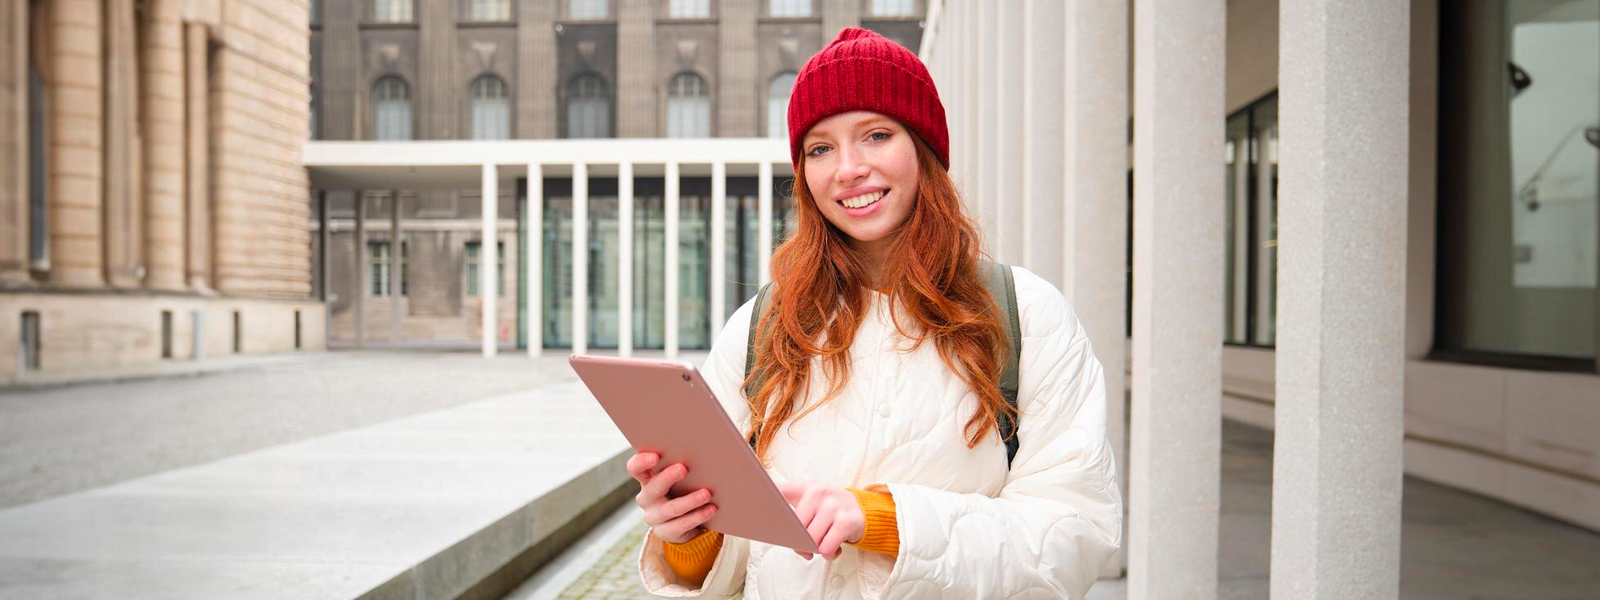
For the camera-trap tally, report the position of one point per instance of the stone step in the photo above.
(459, 503)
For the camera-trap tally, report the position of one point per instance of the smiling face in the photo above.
(861, 170)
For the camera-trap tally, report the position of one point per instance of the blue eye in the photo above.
(879, 136)
(818, 150)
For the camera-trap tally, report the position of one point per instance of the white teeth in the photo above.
(862, 200)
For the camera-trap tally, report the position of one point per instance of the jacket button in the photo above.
(837, 582)
(883, 410)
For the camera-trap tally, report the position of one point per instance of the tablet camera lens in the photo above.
(685, 376)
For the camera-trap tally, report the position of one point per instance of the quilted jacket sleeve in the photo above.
(1058, 519)
(724, 372)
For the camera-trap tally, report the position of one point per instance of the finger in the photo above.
(663, 481)
(681, 505)
(792, 491)
(832, 544)
(683, 528)
(640, 464)
(807, 509)
(820, 524)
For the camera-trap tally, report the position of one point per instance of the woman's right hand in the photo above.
(674, 520)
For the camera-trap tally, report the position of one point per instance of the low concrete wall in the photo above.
(85, 332)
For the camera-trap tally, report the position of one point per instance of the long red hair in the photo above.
(820, 287)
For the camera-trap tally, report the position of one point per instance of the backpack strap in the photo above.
(750, 351)
(1003, 287)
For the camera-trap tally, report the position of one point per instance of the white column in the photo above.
(625, 259)
(1341, 295)
(1177, 310)
(489, 263)
(670, 264)
(1093, 202)
(764, 221)
(1009, 134)
(580, 258)
(533, 269)
(719, 246)
(362, 272)
(1041, 203)
(396, 267)
(986, 107)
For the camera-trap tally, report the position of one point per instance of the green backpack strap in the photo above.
(998, 279)
(750, 350)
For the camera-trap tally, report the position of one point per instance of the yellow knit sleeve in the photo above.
(883, 532)
(692, 560)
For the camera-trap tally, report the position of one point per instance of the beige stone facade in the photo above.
(157, 188)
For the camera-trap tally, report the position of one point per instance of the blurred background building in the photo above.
(154, 205)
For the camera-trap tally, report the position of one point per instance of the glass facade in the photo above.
(1251, 226)
(1519, 154)
(649, 254)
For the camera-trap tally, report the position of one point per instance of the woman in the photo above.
(883, 351)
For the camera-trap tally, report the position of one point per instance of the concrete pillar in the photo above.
(397, 303)
(198, 151)
(625, 259)
(489, 262)
(670, 261)
(161, 92)
(76, 144)
(1174, 477)
(14, 154)
(1341, 299)
(1080, 228)
(533, 269)
(986, 106)
(764, 222)
(719, 246)
(123, 186)
(536, 79)
(836, 15)
(440, 84)
(1009, 135)
(636, 73)
(736, 71)
(580, 258)
(362, 272)
(341, 55)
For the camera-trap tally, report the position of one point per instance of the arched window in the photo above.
(391, 109)
(894, 8)
(789, 8)
(778, 105)
(391, 11)
(491, 109)
(588, 107)
(688, 107)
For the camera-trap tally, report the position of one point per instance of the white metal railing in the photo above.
(447, 165)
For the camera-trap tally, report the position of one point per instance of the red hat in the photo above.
(862, 70)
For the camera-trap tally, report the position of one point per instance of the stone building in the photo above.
(152, 199)
(541, 69)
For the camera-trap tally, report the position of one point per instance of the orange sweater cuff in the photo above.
(882, 533)
(692, 560)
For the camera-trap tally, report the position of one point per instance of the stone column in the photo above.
(536, 73)
(1341, 299)
(737, 83)
(341, 59)
(1010, 135)
(636, 99)
(14, 154)
(489, 261)
(986, 106)
(76, 144)
(161, 90)
(1174, 481)
(396, 268)
(197, 53)
(124, 190)
(359, 302)
(1092, 190)
(438, 88)
(836, 15)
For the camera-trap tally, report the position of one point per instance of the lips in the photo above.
(863, 200)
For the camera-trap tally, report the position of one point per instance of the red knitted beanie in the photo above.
(862, 70)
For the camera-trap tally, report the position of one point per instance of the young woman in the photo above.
(883, 351)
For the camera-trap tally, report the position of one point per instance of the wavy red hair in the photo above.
(932, 272)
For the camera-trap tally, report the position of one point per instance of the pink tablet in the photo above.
(665, 407)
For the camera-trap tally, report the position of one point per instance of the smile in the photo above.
(863, 200)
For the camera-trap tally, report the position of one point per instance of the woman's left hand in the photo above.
(831, 514)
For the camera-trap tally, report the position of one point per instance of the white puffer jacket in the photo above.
(969, 528)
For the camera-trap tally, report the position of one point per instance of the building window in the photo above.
(474, 249)
(391, 11)
(488, 10)
(586, 9)
(688, 107)
(894, 8)
(1519, 184)
(379, 263)
(790, 8)
(391, 109)
(689, 9)
(38, 164)
(491, 109)
(778, 105)
(588, 107)
(1251, 238)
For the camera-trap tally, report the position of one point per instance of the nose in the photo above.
(851, 165)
